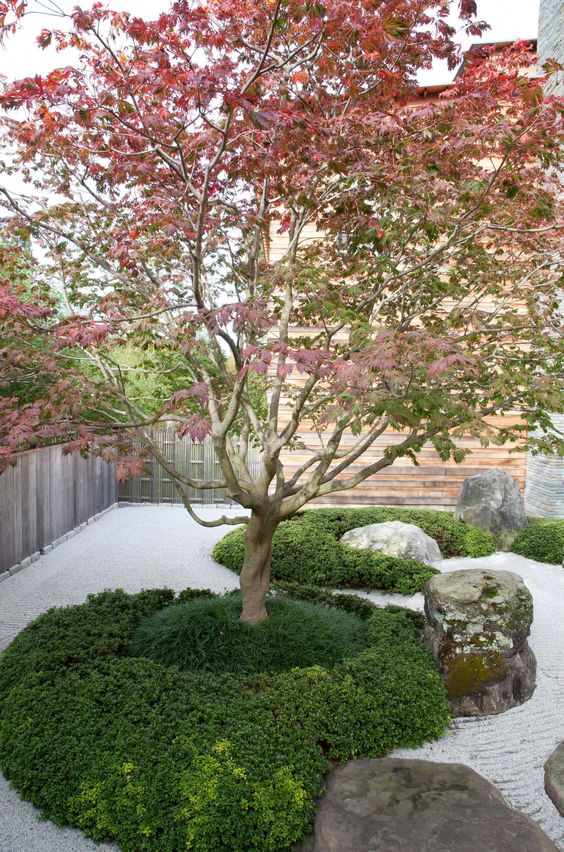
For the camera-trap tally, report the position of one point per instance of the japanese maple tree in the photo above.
(159, 162)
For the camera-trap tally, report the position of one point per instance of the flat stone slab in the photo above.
(393, 805)
(394, 538)
(554, 777)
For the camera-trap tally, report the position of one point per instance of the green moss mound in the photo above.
(206, 634)
(307, 548)
(541, 540)
(156, 758)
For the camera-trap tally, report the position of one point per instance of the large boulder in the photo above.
(389, 805)
(394, 538)
(492, 501)
(554, 777)
(477, 627)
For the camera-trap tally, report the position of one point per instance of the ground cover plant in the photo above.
(542, 540)
(157, 758)
(307, 549)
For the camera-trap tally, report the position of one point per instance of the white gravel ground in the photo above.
(146, 546)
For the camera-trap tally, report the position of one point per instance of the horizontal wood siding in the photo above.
(45, 495)
(433, 484)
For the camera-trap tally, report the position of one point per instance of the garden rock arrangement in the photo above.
(554, 777)
(386, 805)
(477, 628)
(309, 548)
(492, 501)
(394, 538)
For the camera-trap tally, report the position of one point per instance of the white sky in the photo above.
(21, 57)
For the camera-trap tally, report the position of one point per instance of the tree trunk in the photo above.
(255, 574)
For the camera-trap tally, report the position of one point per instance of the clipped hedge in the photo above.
(542, 540)
(156, 758)
(307, 548)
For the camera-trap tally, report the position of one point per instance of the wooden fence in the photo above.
(196, 460)
(47, 494)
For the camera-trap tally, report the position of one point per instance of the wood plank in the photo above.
(46, 494)
(9, 551)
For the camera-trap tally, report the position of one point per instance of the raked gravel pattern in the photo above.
(148, 546)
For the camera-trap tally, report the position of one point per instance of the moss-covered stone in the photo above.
(477, 626)
(477, 609)
(468, 673)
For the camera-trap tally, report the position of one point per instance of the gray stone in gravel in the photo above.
(554, 777)
(477, 625)
(493, 502)
(476, 608)
(392, 805)
(394, 538)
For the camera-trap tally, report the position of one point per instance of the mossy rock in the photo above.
(470, 609)
(467, 674)
(477, 626)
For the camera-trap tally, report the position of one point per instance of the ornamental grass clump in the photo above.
(153, 757)
(207, 634)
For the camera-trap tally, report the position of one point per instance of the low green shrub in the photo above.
(160, 759)
(307, 548)
(78, 635)
(206, 634)
(542, 540)
(454, 537)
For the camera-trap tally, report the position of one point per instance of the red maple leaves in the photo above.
(184, 171)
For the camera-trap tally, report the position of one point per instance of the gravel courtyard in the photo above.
(140, 547)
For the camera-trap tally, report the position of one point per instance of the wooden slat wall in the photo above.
(196, 460)
(45, 495)
(433, 483)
